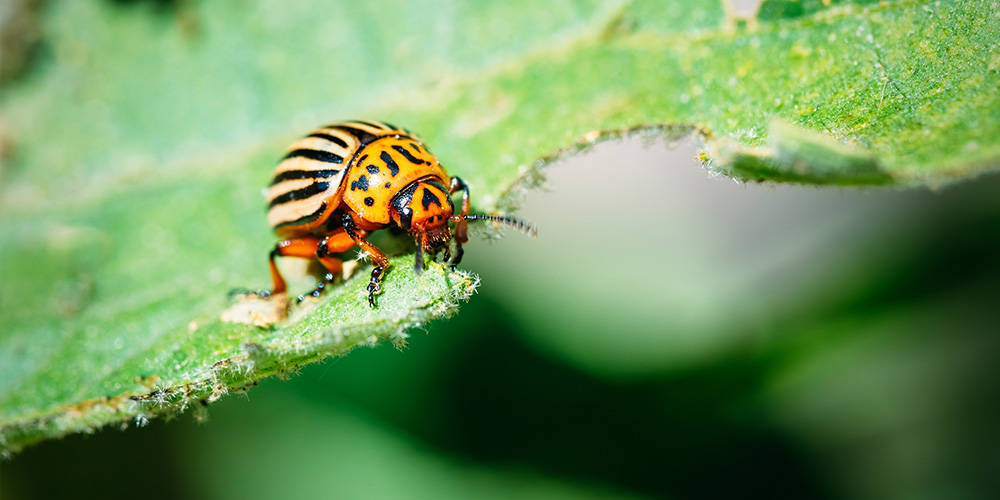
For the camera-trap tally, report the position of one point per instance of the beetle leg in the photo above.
(378, 272)
(462, 226)
(418, 260)
(283, 248)
(459, 252)
(299, 247)
(316, 292)
(332, 243)
(381, 262)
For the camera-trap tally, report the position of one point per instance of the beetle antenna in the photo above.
(518, 224)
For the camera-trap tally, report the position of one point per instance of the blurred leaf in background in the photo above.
(669, 335)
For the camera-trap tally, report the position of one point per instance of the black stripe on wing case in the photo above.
(363, 136)
(301, 194)
(303, 174)
(315, 154)
(374, 125)
(332, 138)
(305, 218)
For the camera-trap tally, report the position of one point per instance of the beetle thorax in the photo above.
(383, 168)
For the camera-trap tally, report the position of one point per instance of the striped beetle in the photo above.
(343, 181)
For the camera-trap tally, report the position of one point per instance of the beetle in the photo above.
(343, 181)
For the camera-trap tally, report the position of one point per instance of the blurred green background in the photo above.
(670, 334)
(684, 336)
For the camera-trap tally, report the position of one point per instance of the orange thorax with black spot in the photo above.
(384, 168)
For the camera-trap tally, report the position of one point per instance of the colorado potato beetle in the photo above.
(343, 181)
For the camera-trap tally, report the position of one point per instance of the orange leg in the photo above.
(299, 247)
(332, 243)
(310, 248)
(378, 258)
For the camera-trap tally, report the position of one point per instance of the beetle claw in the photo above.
(374, 286)
(316, 292)
(264, 294)
(459, 252)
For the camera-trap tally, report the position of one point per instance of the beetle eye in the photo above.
(407, 217)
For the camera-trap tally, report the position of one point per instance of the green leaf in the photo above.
(139, 145)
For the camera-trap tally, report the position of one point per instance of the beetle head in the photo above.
(423, 209)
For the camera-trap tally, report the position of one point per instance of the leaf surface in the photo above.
(131, 191)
